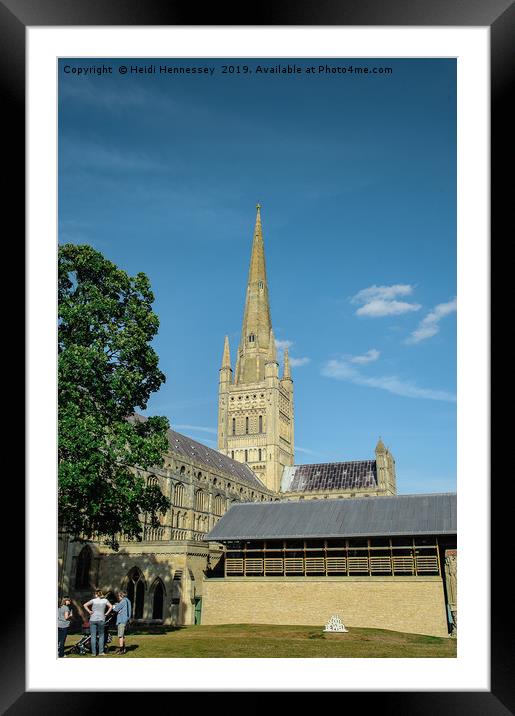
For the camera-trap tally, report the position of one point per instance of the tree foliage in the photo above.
(106, 370)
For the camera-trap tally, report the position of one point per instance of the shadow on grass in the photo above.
(149, 630)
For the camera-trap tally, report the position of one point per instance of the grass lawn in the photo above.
(265, 641)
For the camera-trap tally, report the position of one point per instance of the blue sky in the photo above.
(356, 176)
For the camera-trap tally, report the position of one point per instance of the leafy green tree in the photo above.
(106, 369)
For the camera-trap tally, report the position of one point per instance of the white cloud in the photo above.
(429, 327)
(342, 370)
(379, 301)
(296, 362)
(281, 345)
(306, 451)
(198, 428)
(380, 307)
(367, 357)
(385, 292)
(89, 155)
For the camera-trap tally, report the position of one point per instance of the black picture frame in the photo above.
(499, 16)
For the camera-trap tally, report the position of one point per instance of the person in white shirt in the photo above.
(96, 608)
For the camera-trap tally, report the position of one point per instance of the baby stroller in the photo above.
(84, 643)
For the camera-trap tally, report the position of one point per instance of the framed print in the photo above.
(147, 138)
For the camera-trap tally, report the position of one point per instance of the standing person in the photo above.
(124, 611)
(96, 608)
(64, 615)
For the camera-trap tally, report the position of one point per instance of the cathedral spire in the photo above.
(286, 368)
(226, 359)
(380, 448)
(272, 350)
(255, 333)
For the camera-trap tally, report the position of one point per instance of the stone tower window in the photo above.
(252, 338)
(246, 455)
(259, 452)
(234, 426)
(246, 426)
(232, 454)
(260, 425)
(260, 284)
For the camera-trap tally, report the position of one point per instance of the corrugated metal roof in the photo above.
(351, 475)
(351, 517)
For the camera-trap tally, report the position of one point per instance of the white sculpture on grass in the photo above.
(335, 624)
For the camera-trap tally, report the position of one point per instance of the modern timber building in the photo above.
(383, 562)
(196, 556)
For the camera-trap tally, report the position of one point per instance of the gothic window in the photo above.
(234, 426)
(252, 338)
(246, 455)
(152, 480)
(158, 600)
(232, 454)
(259, 452)
(260, 425)
(183, 470)
(246, 426)
(136, 592)
(83, 569)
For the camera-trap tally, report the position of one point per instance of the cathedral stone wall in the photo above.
(172, 556)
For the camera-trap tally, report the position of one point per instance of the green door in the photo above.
(198, 609)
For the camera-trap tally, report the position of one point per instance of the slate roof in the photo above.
(330, 476)
(209, 458)
(344, 517)
(194, 450)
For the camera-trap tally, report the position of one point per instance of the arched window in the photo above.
(246, 426)
(234, 426)
(82, 579)
(252, 338)
(179, 495)
(246, 455)
(158, 600)
(259, 453)
(260, 425)
(219, 505)
(183, 469)
(136, 592)
(200, 500)
(232, 454)
(152, 480)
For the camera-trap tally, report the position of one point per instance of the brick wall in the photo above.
(408, 604)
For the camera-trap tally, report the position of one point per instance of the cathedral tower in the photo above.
(255, 405)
